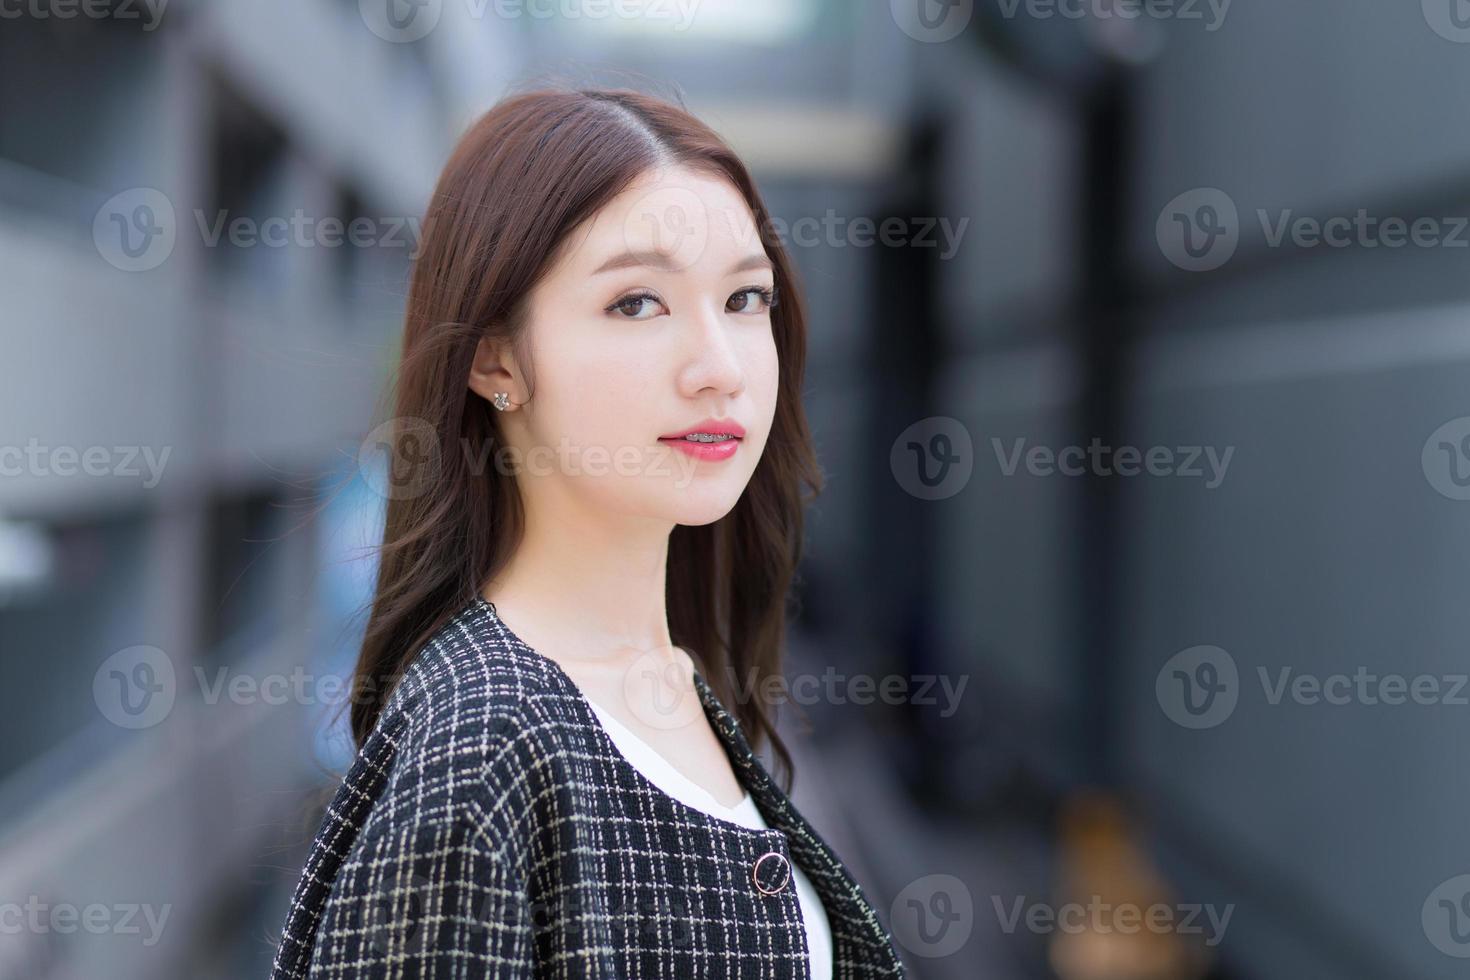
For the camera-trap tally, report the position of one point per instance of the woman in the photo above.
(597, 473)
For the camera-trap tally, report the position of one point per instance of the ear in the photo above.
(493, 370)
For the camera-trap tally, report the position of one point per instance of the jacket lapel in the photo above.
(861, 946)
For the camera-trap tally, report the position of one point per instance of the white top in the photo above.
(658, 771)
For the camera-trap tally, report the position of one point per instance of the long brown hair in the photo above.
(525, 174)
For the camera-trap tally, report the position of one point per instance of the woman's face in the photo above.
(653, 321)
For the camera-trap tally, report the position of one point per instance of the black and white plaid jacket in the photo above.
(489, 827)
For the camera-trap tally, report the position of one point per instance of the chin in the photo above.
(697, 507)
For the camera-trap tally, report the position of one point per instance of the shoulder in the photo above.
(477, 723)
(472, 668)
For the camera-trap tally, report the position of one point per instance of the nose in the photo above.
(714, 363)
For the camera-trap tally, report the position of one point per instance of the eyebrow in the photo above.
(664, 261)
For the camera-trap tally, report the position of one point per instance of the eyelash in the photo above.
(768, 297)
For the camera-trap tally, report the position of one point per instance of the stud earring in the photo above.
(502, 400)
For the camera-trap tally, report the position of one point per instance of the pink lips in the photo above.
(719, 449)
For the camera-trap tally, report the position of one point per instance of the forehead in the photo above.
(693, 216)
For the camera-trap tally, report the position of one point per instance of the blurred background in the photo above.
(1138, 370)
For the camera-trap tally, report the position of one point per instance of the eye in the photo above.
(635, 306)
(742, 301)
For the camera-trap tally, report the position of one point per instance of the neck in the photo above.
(582, 584)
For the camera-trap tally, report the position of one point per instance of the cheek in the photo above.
(596, 384)
(762, 375)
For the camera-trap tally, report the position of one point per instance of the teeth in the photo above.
(706, 437)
